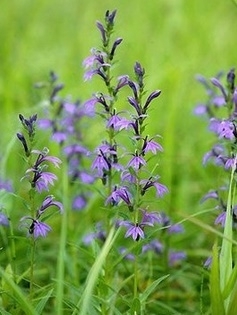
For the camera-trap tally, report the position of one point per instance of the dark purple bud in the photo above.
(102, 101)
(55, 91)
(115, 45)
(23, 141)
(231, 80)
(136, 127)
(29, 124)
(53, 76)
(109, 17)
(122, 81)
(102, 31)
(139, 71)
(135, 104)
(217, 83)
(150, 98)
(134, 88)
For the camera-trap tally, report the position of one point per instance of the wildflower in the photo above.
(120, 193)
(176, 257)
(40, 178)
(175, 228)
(151, 145)
(160, 188)
(49, 202)
(136, 162)
(135, 231)
(221, 219)
(208, 262)
(37, 228)
(5, 185)
(3, 220)
(99, 234)
(124, 252)
(79, 202)
(101, 164)
(154, 245)
(150, 217)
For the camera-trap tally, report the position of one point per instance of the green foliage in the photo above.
(173, 40)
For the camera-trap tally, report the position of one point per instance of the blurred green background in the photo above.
(173, 39)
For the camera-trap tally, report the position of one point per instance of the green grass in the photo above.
(173, 40)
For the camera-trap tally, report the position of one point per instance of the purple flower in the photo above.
(136, 162)
(122, 81)
(6, 185)
(176, 257)
(135, 231)
(86, 178)
(89, 106)
(128, 177)
(45, 123)
(49, 202)
(42, 157)
(208, 262)
(118, 194)
(42, 180)
(123, 123)
(175, 228)
(154, 245)
(224, 129)
(212, 194)
(75, 148)
(216, 153)
(113, 122)
(160, 188)
(124, 252)
(230, 163)
(79, 203)
(37, 228)
(100, 164)
(59, 136)
(3, 219)
(152, 146)
(200, 109)
(221, 219)
(99, 234)
(150, 217)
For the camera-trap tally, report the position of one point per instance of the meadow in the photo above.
(92, 255)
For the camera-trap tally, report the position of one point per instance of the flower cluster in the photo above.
(38, 177)
(221, 110)
(122, 171)
(5, 187)
(65, 120)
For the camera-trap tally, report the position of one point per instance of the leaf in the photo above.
(149, 290)
(217, 302)
(232, 307)
(43, 301)
(136, 306)
(17, 294)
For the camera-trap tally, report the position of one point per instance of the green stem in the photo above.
(32, 264)
(62, 247)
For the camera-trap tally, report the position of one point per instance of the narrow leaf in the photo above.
(217, 302)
